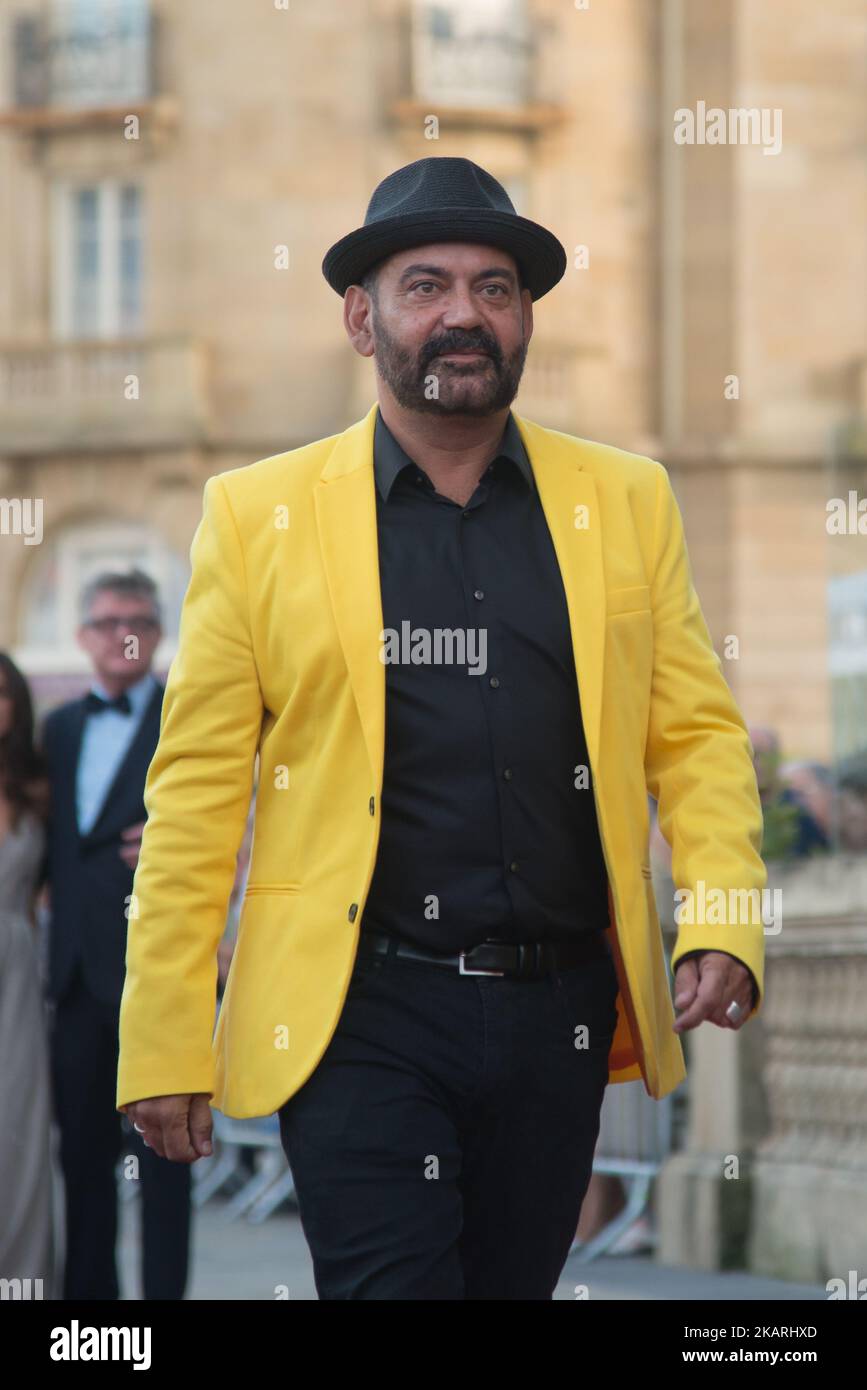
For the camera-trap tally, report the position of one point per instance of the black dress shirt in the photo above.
(485, 834)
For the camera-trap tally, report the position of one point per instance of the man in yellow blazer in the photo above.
(463, 647)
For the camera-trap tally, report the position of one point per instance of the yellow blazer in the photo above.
(279, 653)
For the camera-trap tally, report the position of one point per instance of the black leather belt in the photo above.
(514, 961)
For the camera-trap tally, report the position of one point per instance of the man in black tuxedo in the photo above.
(99, 748)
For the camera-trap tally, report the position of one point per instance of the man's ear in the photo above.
(356, 320)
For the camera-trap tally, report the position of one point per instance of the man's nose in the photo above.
(461, 309)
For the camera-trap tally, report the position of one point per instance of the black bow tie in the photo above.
(95, 704)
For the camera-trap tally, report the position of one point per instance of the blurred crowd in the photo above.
(808, 807)
(71, 819)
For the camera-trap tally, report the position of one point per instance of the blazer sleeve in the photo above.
(699, 766)
(197, 794)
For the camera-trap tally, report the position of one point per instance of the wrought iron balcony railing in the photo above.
(66, 61)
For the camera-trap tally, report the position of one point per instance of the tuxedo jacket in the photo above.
(279, 653)
(90, 883)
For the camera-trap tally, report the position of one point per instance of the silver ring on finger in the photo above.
(734, 1012)
(137, 1127)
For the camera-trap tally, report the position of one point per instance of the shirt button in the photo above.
(514, 866)
(508, 774)
(478, 593)
(353, 912)
(495, 681)
(370, 805)
(466, 513)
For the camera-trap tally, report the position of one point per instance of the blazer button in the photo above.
(371, 805)
(353, 912)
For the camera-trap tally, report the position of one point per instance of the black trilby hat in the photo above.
(444, 199)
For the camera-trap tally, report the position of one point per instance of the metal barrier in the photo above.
(635, 1138)
(260, 1193)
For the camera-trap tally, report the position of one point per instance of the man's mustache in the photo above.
(441, 347)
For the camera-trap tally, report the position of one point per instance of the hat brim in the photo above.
(540, 256)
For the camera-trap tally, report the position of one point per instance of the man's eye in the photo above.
(421, 284)
(501, 288)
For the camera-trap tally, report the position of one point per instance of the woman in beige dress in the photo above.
(26, 1190)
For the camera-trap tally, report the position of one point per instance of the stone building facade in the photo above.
(173, 173)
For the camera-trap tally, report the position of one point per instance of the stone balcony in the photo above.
(101, 395)
(553, 386)
(74, 69)
(786, 1097)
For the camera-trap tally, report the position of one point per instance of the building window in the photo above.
(129, 255)
(471, 52)
(97, 254)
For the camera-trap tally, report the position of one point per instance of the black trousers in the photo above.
(84, 1057)
(442, 1147)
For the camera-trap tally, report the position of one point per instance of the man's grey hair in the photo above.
(370, 280)
(133, 584)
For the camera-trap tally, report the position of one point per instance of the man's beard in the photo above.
(422, 384)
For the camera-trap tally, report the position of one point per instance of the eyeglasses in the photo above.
(138, 626)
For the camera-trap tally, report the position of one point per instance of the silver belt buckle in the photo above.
(462, 969)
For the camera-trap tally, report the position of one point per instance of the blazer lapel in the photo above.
(570, 502)
(345, 502)
(64, 769)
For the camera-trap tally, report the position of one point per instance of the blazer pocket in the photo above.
(271, 888)
(634, 599)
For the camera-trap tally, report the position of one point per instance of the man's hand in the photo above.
(705, 984)
(130, 851)
(175, 1127)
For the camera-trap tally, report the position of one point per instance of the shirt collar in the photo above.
(389, 458)
(139, 693)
